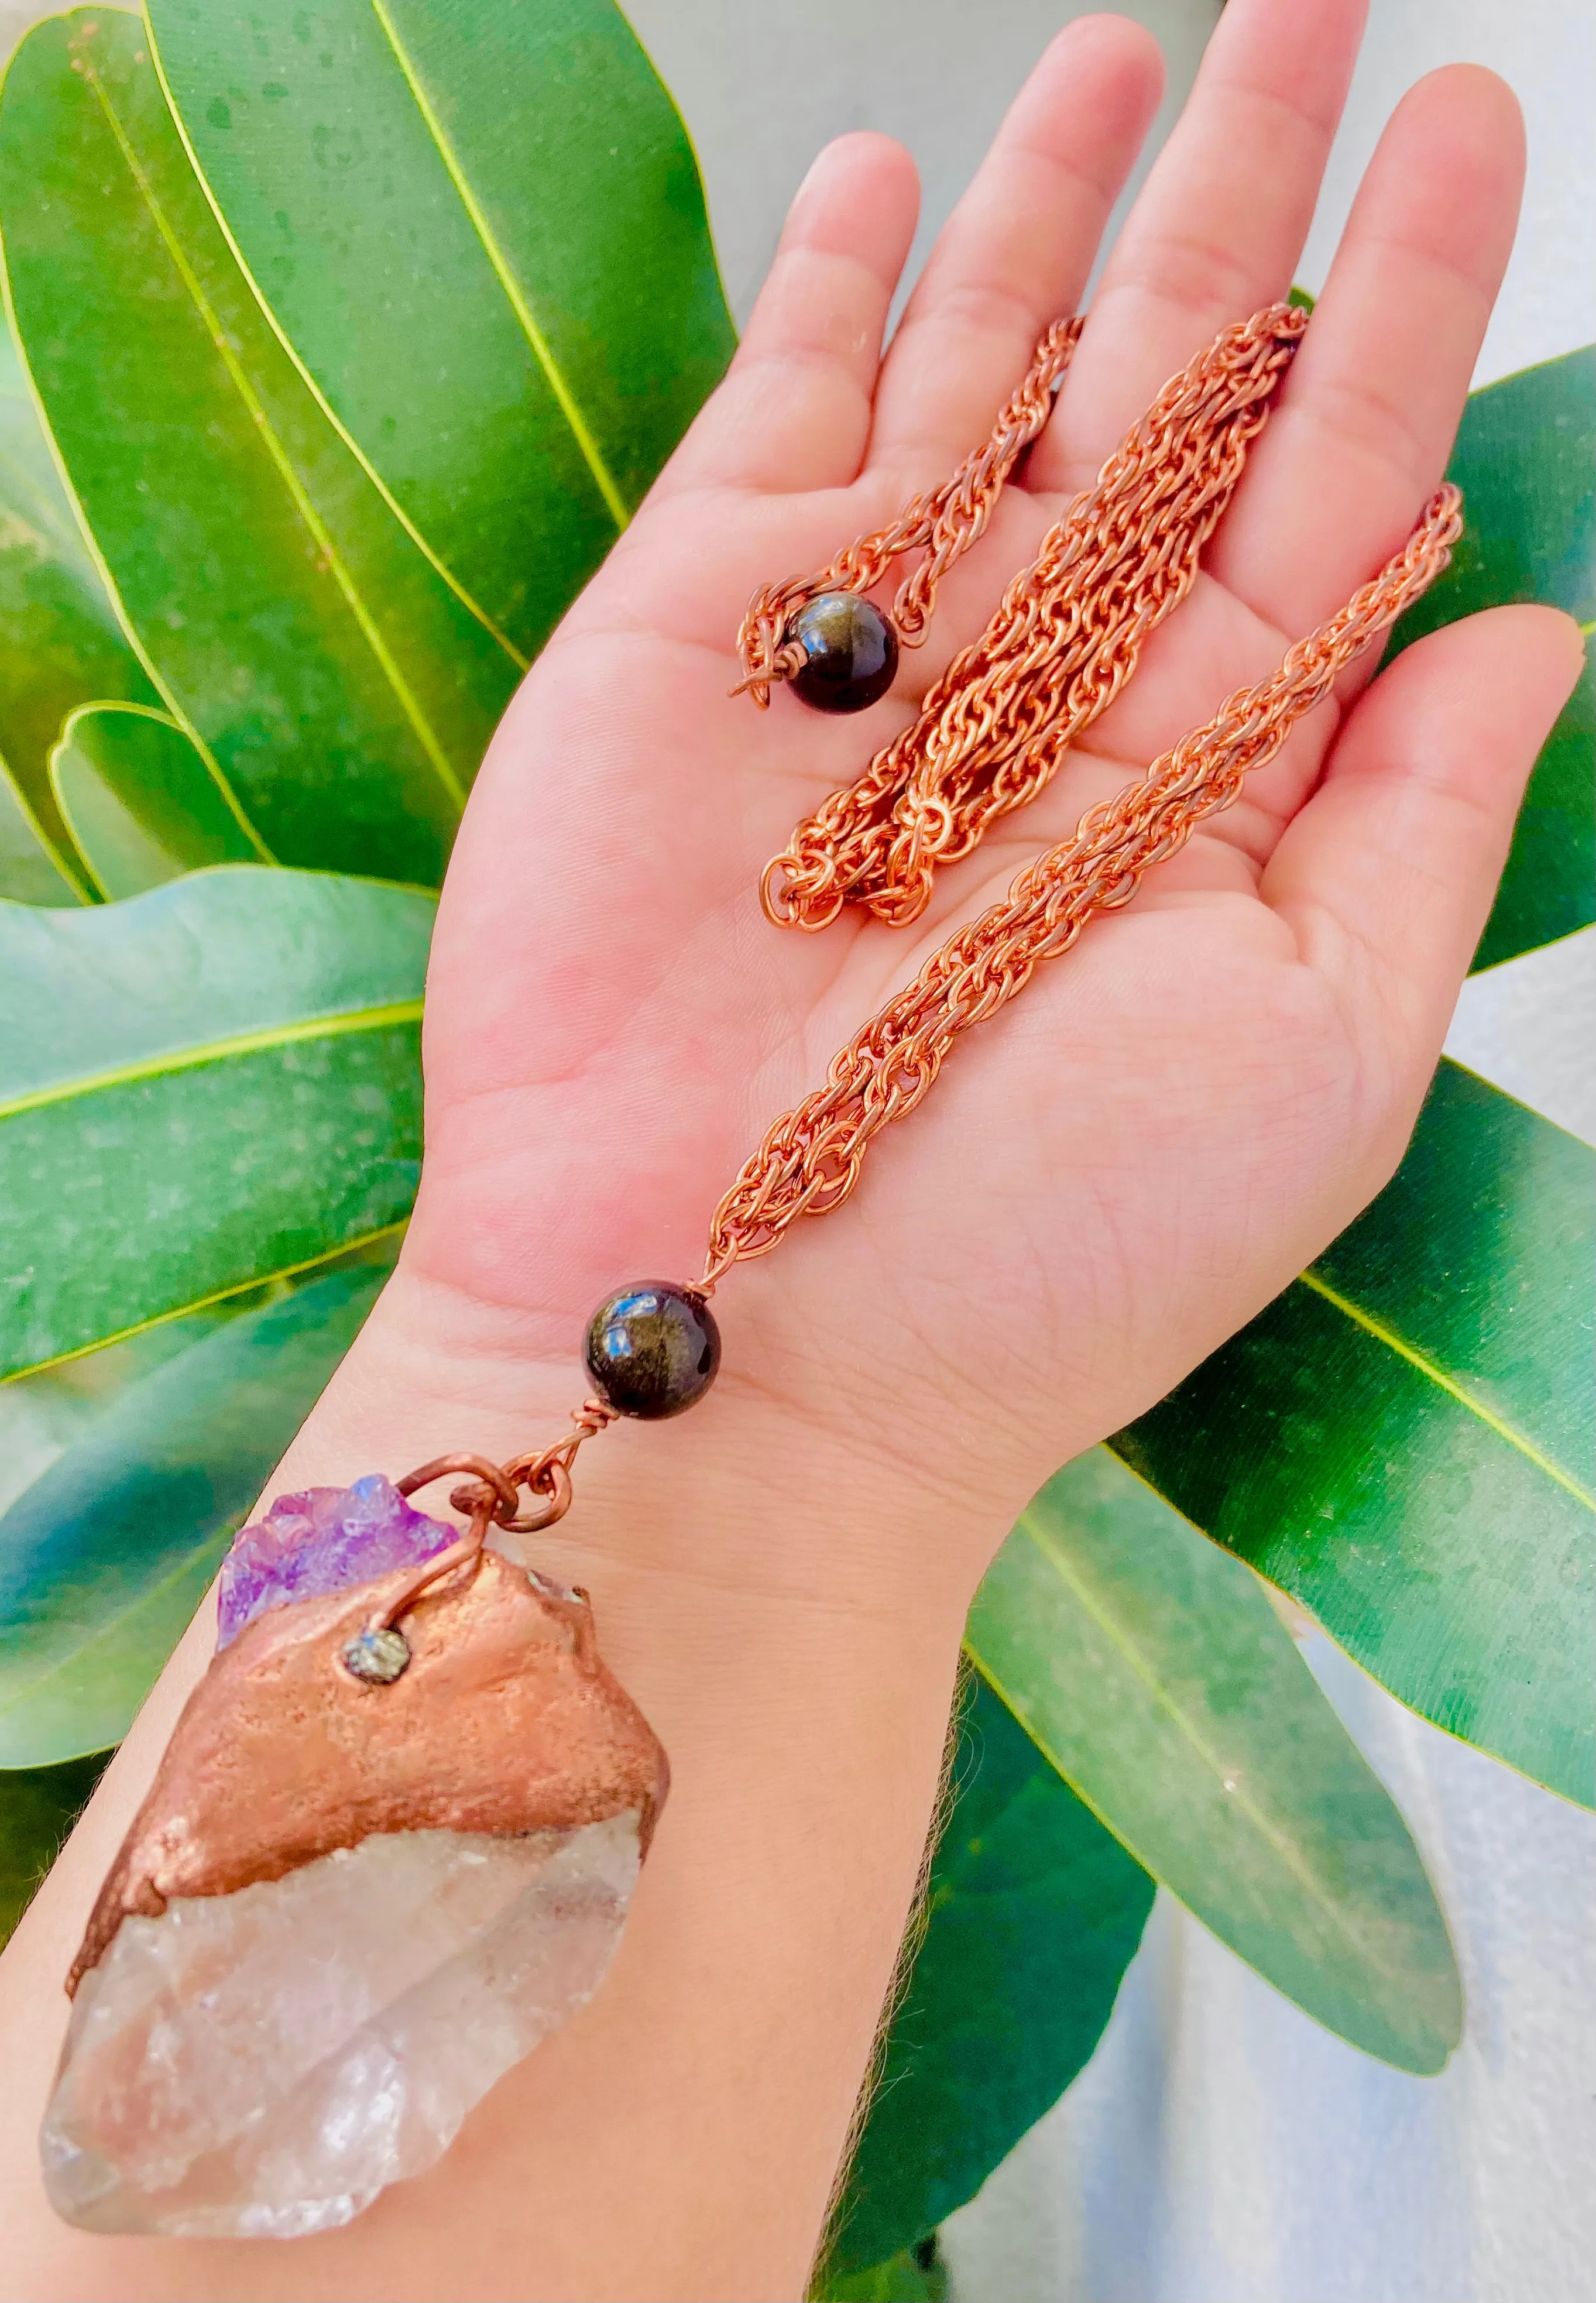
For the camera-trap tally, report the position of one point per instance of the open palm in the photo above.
(1175, 1118)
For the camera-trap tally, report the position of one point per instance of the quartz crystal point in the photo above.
(261, 2064)
(347, 1906)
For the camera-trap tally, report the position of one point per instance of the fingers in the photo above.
(1017, 250)
(1368, 411)
(1387, 876)
(794, 409)
(1219, 223)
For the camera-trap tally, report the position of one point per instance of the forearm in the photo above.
(681, 2136)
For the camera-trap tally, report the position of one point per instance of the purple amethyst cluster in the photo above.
(320, 1542)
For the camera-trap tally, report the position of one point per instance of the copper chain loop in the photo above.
(492, 1495)
(1065, 638)
(944, 524)
(811, 1158)
(992, 731)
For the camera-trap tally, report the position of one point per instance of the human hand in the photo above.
(1119, 1171)
(1107, 1179)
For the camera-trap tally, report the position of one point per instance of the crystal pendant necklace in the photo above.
(392, 1844)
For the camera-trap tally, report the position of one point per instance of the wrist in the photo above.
(748, 1505)
(781, 1634)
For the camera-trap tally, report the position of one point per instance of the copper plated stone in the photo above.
(505, 1721)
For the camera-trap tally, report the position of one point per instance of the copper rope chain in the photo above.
(991, 732)
(994, 728)
(1064, 640)
(944, 524)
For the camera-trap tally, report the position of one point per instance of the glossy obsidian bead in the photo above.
(652, 1350)
(850, 652)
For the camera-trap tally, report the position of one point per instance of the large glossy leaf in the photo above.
(60, 645)
(38, 1806)
(1034, 1912)
(1525, 460)
(1155, 1675)
(139, 800)
(212, 1084)
(344, 691)
(481, 227)
(1403, 1440)
(105, 1558)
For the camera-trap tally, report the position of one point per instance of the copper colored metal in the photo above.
(1065, 638)
(493, 1491)
(545, 1474)
(943, 524)
(811, 1158)
(430, 1572)
(505, 1721)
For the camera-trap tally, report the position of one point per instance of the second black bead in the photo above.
(850, 652)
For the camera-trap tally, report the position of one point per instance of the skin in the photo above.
(1108, 1180)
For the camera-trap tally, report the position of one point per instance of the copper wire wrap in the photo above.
(943, 524)
(491, 1494)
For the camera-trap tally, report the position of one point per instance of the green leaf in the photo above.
(1034, 1913)
(38, 1806)
(1525, 460)
(42, 1413)
(1522, 458)
(906, 2279)
(343, 693)
(517, 339)
(1545, 889)
(105, 1557)
(212, 1085)
(33, 869)
(1403, 1440)
(60, 645)
(140, 803)
(1155, 1675)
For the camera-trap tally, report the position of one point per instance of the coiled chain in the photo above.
(1065, 638)
(994, 729)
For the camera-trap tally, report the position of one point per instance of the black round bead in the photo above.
(850, 652)
(652, 1350)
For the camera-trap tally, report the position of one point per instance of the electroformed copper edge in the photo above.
(505, 1721)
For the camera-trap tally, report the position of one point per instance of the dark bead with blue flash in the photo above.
(652, 1350)
(850, 652)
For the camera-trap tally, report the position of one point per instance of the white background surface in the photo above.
(1222, 2148)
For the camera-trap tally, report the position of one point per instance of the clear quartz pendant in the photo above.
(354, 1898)
(262, 2064)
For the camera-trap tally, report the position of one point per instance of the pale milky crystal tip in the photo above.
(262, 2064)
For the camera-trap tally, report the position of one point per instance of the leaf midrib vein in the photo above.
(542, 349)
(204, 1302)
(1427, 1367)
(316, 527)
(1237, 1799)
(157, 1066)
